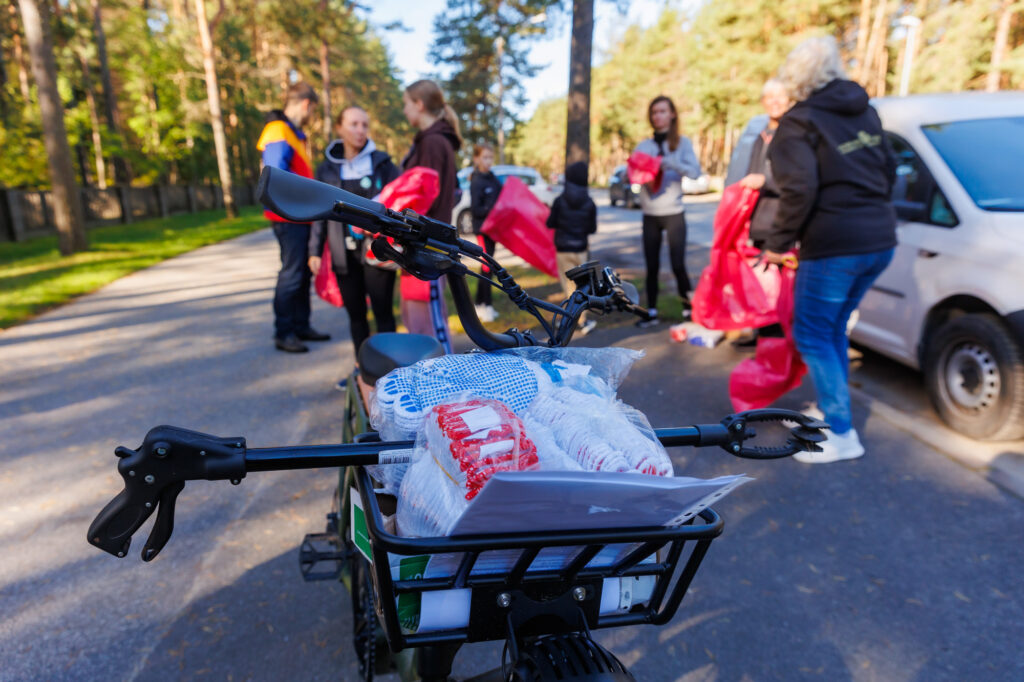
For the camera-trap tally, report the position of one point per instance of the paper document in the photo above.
(584, 500)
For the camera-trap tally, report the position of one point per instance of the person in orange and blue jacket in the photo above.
(283, 145)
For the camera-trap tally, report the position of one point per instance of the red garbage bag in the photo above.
(518, 222)
(413, 288)
(776, 368)
(416, 188)
(644, 169)
(730, 294)
(325, 283)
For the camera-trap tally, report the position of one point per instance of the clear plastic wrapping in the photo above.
(463, 444)
(557, 403)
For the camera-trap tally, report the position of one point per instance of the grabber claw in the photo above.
(804, 434)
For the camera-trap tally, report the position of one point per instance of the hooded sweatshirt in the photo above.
(365, 175)
(835, 171)
(435, 148)
(573, 215)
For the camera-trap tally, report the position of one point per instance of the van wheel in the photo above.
(975, 377)
(465, 223)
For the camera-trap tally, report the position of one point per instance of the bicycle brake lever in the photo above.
(153, 476)
(804, 437)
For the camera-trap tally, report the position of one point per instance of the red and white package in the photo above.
(474, 439)
(463, 444)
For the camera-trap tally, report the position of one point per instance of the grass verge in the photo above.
(34, 277)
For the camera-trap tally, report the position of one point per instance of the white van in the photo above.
(951, 304)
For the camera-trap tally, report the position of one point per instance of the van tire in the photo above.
(974, 372)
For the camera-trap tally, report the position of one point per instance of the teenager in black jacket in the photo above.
(835, 173)
(573, 218)
(353, 163)
(484, 188)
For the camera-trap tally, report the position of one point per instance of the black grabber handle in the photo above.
(153, 476)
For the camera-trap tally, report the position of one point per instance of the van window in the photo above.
(915, 194)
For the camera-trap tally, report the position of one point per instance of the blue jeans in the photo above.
(827, 292)
(291, 295)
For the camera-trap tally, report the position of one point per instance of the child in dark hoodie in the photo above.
(573, 218)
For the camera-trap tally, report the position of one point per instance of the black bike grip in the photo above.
(164, 524)
(303, 200)
(113, 527)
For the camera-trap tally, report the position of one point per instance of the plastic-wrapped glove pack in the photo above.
(472, 415)
(462, 445)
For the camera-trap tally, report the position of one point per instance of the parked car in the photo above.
(620, 189)
(951, 303)
(530, 177)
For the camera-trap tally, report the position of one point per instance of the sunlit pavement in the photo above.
(902, 565)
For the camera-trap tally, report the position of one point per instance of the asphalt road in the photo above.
(903, 565)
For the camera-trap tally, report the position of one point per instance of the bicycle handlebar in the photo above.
(431, 248)
(169, 456)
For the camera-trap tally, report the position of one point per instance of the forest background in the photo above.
(136, 104)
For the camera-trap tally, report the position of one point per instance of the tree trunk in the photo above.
(67, 202)
(19, 56)
(109, 101)
(325, 75)
(863, 30)
(577, 130)
(94, 122)
(216, 119)
(879, 31)
(1003, 23)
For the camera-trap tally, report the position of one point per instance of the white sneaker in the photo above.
(493, 313)
(813, 412)
(587, 327)
(485, 313)
(837, 448)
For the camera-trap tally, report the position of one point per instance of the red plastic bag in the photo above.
(416, 188)
(325, 283)
(644, 169)
(412, 288)
(730, 294)
(518, 222)
(776, 368)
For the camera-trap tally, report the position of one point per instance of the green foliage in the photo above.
(466, 47)
(163, 132)
(35, 277)
(714, 62)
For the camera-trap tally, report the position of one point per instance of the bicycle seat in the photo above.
(386, 351)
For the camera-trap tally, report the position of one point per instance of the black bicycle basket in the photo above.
(478, 588)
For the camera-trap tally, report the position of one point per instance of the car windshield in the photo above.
(985, 156)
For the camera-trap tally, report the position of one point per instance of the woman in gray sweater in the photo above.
(662, 204)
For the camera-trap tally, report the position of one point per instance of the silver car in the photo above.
(531, 177)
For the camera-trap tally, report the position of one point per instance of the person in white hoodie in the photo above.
(662, 202)
(354, 163)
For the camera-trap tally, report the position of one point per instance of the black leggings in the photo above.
(483, 289)
(675, 225)
(359, 282)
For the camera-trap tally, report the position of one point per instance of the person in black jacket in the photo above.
(484, 189)
(775, 100)
(573, 218)
(835, 173)
(353, 163)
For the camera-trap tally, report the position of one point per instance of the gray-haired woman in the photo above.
(835, 172)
